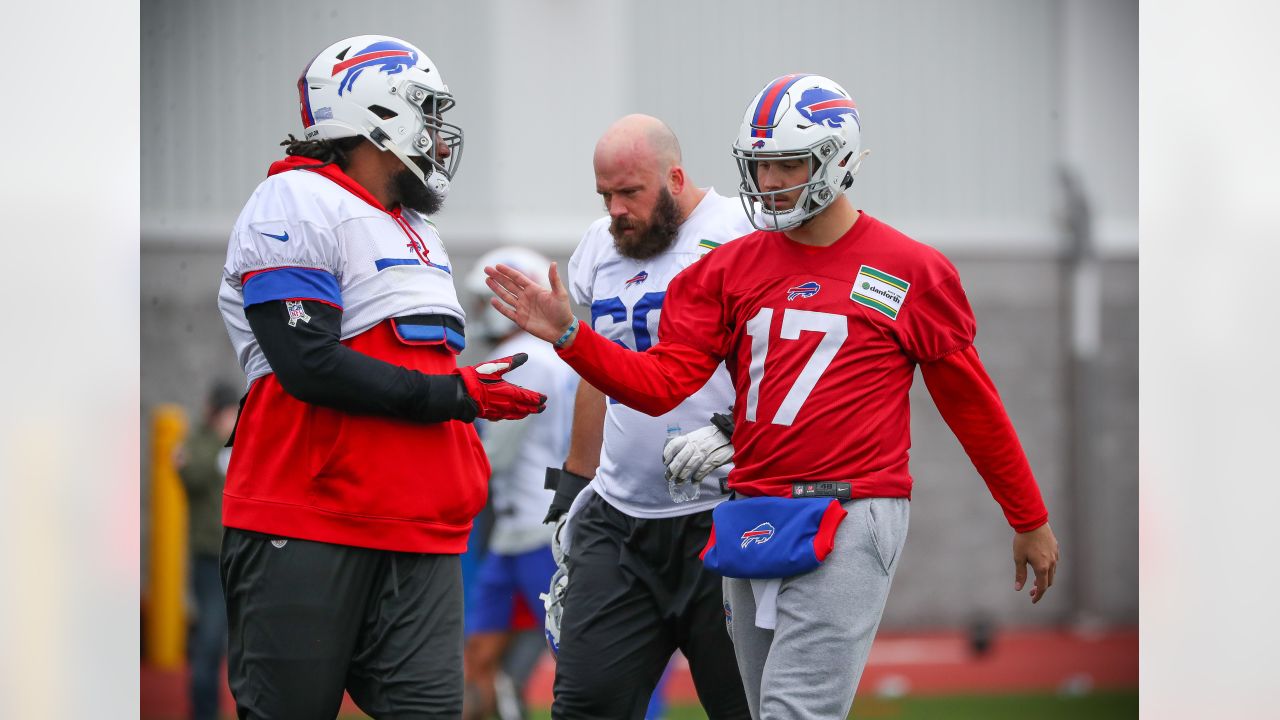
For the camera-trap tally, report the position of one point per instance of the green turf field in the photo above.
(1098, 706)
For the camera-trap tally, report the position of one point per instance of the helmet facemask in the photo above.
(428, 106)
(816, 193)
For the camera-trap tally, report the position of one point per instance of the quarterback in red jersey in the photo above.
(821, 317)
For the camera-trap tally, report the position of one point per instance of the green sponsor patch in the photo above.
(886, 277)
(879, 291)
(708, 244)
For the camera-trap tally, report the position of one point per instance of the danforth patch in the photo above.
(879, 291)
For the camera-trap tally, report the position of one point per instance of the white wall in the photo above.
(966, 107)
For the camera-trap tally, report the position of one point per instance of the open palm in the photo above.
(538, 311)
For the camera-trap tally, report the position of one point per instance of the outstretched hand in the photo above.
(1039, 548)
(543, 313)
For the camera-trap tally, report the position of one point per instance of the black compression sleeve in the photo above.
(314, 367)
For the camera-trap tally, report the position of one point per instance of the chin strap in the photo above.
(436, 182)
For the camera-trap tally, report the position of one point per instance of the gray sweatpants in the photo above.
(810, 664)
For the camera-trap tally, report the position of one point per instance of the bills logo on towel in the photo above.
(761, 534)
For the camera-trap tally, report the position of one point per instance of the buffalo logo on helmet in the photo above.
(638, 278)
(803, 290)
(759, 534)
(387, 56)
(827, 107)
(757, 144)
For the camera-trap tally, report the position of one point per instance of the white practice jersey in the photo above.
(374, 264)
(520, 451)
(625, 297)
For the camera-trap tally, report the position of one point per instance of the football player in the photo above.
(636, 588)
(822, 316)
(519, 562)
(355, 472)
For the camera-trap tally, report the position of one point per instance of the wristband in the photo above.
(567, 334)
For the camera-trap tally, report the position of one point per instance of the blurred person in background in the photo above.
(636, 590)
(822, 316)
(519, 560)
(356, 472)
(203, 470)
(527, 647)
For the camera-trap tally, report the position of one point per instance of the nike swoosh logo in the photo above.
(281, 238)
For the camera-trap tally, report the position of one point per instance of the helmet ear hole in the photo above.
(847, 181)
(384, 113)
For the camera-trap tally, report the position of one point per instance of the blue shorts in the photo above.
(491, 603)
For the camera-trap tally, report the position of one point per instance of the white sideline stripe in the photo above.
(893, 651)
(918, 652)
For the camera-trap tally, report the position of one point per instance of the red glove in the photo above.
(495, 398)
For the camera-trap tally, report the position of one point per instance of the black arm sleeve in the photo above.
(315, 368)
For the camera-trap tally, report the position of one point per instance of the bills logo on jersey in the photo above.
(759, 534)
(638, 278)
(386, 56)
(827, 107)
(803, 290)
(423, 254)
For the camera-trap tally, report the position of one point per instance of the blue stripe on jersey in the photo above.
(292, 282)
(385, 263)
(431, 333)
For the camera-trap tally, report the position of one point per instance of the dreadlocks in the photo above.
(335, 152)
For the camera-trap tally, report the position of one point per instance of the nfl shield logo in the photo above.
(296, 312)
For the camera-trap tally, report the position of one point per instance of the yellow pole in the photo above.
(166, 626)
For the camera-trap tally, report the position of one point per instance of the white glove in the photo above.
(557, 546)
(691, 457)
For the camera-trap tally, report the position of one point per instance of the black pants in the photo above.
(636, 592)
(308, 620)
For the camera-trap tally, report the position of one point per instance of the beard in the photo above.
(410, 192)
(651, 238)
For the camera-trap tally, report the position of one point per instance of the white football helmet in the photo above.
(806, 117)
(391, 93)
(493, 324)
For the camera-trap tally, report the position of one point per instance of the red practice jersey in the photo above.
(822, 345)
